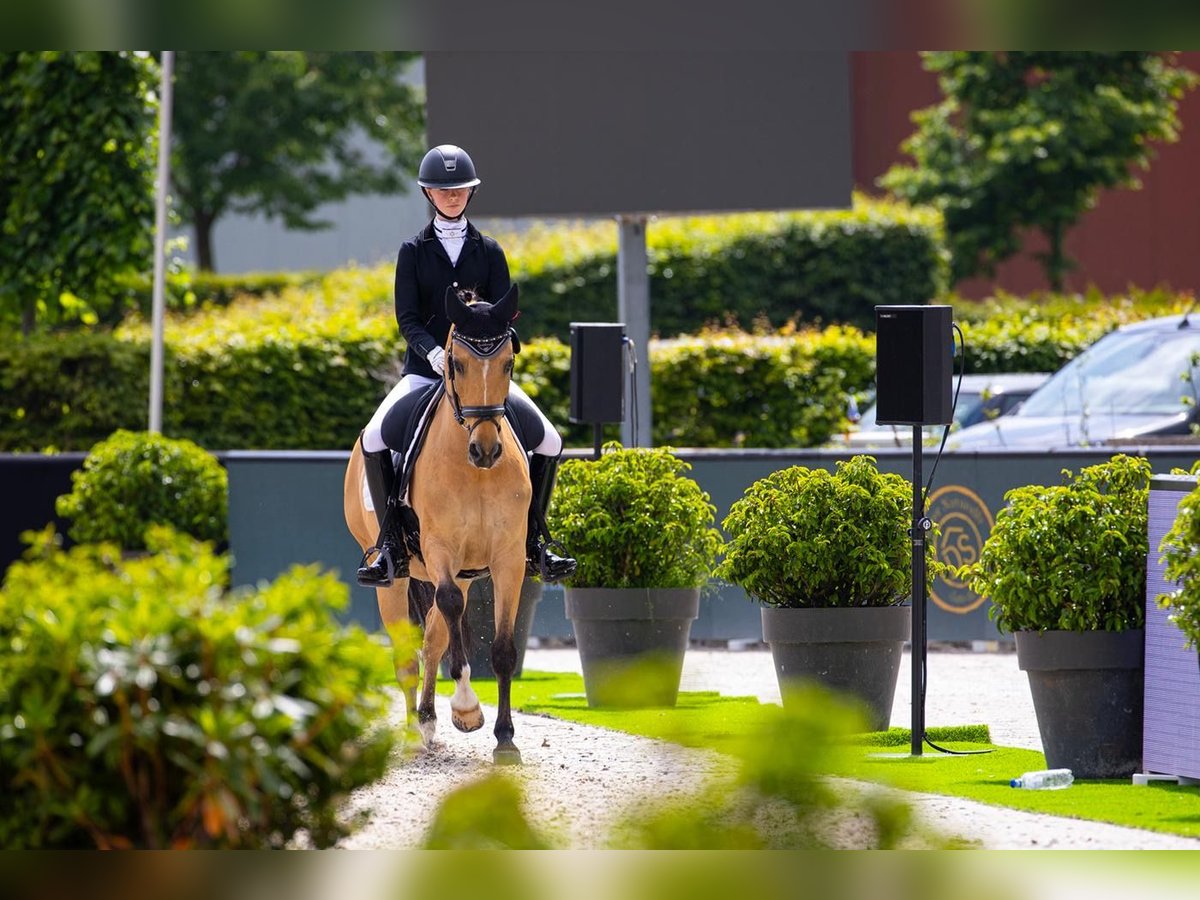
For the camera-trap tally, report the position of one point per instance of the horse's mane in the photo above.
(470, 296)
(478, 324)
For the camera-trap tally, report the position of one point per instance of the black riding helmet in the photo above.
(447, 166)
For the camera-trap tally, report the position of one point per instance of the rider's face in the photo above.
(450, 201)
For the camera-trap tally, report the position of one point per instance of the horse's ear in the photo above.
(504, 310)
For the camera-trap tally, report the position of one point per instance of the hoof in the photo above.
(506, 756)
(426, 728)
(467, 720)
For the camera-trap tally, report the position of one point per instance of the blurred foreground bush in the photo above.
(776, 797)
(141, 705)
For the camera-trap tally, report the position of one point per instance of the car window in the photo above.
(1140, 373)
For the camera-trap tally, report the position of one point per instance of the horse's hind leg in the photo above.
(465, 712)
(393, 609)
(507, 586)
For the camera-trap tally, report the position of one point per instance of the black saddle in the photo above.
(405, 427)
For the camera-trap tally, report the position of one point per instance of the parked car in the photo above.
(981, 398)
(1135, 383)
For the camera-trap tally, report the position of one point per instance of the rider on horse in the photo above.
(448, 253)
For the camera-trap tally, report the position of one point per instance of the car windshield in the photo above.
(1140, 373)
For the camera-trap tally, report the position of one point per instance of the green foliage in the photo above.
(76, 181)
(776, 794)
(1069, 557)
(781, 772)
(131, 482)
(730, 389)
(1179, 553)
(484, 814)
(1026, 139)
(802, 538)
(634, 519)
(272, 132)
(142, 706)
(831, 266)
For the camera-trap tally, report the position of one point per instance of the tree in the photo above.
(275, 133)
(1026, 140)
(76, 181)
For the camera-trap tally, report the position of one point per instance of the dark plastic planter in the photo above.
(481, 624)
(632, 642)
(1087, 694)
(854, 650)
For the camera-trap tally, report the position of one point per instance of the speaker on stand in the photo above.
(597, 375)
(914, 349)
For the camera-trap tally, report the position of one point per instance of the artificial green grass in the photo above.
(709, 720)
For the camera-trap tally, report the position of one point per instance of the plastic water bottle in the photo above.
(1044, 780)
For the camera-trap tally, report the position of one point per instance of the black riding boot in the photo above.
(540, 559)
(391, 558)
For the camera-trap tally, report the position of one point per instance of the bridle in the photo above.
(480, 348)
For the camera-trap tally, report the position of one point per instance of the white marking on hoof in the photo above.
(464, 698)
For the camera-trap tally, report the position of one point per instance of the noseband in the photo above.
(480, 348)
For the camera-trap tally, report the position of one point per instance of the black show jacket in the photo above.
(424, 271)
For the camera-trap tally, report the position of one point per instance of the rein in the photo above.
(480, 348)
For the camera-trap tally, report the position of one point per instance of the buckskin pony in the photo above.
(470, 490)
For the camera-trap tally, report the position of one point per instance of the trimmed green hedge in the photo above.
(772, 268)
(827, 266)
(737, 390)
(191, 290)
(716, 389)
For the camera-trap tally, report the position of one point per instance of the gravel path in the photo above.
(579, 780)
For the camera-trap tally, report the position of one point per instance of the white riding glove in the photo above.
(437, 359)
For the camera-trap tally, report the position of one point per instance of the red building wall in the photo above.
(1141, 238)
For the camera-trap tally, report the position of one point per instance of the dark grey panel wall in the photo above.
(601, 133)
(287, 507)
(29, 485)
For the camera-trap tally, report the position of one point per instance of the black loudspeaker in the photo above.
(914, 350)
(597, 372)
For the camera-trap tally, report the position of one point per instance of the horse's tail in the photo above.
(420, 601)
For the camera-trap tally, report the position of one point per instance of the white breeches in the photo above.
(372, 438)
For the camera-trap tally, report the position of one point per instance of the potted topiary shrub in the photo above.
(828, 556)
(644, 537)
(132, 480)
(1065, 570)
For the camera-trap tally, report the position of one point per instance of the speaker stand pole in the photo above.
(917, 534)
(599, 436)
(633, 308)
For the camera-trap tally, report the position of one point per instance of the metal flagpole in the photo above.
(160, 235)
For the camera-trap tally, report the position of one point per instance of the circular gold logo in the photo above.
(965, 522)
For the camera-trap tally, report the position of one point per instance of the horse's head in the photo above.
(479, 364)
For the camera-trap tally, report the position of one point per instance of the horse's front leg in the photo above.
(506, 581)
(450, 600)
(437, 638)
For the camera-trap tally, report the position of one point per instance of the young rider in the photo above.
(449, 252)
